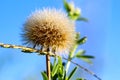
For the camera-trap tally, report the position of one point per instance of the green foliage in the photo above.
(58, 71)
(73, 13)
(81, 41)
(81, 53)
(86, 58)
(72, 72)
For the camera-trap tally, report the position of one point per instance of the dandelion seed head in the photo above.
(49, 28)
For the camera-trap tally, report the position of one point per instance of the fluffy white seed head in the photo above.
(49, 28)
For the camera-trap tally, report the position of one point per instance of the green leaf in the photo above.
(54, 65)
(55, 77)
(85, 59)
(44, 76)
(60, 61)
(55, 69)
(60, 67)
(82, 40)
(80, 52)
(73, 16)
(66, 5)
(72, 51)
(84, 56)
(64, 77)
(51, 66)
(72, 73)
(82, 19)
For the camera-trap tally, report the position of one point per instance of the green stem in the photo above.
(70, 57)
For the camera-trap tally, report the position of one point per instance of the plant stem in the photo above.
(48, 66)
(70, 57)
(67, 66)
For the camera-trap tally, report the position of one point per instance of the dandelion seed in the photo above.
(49, 28)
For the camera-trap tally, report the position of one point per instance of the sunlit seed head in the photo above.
(49, 28)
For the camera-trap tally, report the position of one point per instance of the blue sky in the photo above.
(102, 31)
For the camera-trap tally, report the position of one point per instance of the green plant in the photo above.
(58, 70)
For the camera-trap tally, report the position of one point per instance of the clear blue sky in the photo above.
(102, 31)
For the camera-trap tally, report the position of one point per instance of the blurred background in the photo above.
(102, 31)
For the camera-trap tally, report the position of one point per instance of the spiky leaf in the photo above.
(72, 73)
